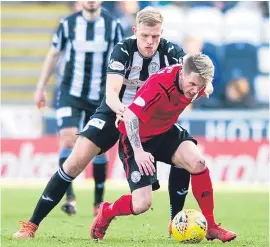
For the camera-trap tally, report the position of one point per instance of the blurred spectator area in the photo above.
(26, 31)
(234, 34)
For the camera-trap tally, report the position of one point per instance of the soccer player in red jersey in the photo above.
(150, 133)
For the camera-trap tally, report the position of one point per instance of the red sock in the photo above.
(203, 192)
(123, 206)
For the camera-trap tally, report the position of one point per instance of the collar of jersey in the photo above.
(91, 21)
(144, 56)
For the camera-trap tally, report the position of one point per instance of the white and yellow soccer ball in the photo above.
(189, 226)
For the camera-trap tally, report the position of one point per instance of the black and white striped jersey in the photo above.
(127, 61)
(87, 45)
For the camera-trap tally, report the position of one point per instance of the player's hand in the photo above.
(119, 114)
(145, 162)
(40, 98)
(121, 109)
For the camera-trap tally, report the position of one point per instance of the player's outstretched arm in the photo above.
(113, 86)
(143, 159)
(48, 68)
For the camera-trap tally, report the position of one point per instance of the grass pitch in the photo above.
(243, 212)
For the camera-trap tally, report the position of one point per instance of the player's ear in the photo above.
(134, 29)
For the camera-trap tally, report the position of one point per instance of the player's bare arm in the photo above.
(114, 83)
(47, 70)
(133, 132)
(143, 159)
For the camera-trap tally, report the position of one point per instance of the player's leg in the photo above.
(68, 138)
(189, 156)
(137, 202)
(83, 152)
(100, 163)
(98, 135)
(179, 178)
(68, 115)
(131, 204)
(99, 173)
(178, 186)
(101, 130)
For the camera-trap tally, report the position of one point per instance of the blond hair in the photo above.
(149, 16)
(200, 64)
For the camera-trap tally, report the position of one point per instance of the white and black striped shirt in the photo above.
(87, 45)
(127, 61)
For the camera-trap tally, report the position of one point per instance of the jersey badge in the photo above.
(139, 101)
(135, 177)
(153, 68)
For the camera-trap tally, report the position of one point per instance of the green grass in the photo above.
(244, 213)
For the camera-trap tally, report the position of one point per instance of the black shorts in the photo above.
(72, 111)
(101, 130)
(162, 147)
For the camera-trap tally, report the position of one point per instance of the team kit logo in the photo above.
(115, 65)
(153, 68)
(136, 177)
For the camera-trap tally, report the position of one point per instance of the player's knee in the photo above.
(68, 137)
(198, 165)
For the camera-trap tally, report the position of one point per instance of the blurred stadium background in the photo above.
(232, 126)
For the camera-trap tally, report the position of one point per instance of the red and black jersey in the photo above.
(159, 102)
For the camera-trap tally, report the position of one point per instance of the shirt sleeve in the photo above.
(118, 60)
(175, 53)
(59, 40)
(146, 103)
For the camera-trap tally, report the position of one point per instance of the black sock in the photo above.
(51, 196)
(70, 193)
(99, 173)
(178, 188)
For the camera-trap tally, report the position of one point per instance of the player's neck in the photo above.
(91, 16)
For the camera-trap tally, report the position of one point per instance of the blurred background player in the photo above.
(87, 38)
(60, 67)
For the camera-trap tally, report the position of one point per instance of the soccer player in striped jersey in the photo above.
(87, 38)
(131, 63)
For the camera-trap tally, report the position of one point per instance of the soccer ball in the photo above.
(189, 226)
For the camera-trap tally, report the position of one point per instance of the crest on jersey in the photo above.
(139, 101)
(135, 177)
(153, 68)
